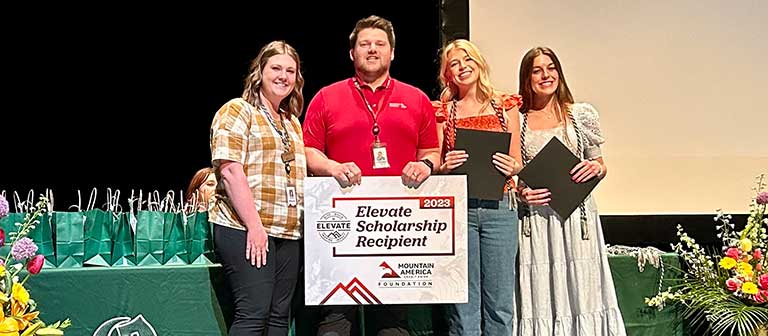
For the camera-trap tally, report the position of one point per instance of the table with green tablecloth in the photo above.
(192, 300)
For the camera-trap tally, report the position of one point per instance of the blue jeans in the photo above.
(492, 259)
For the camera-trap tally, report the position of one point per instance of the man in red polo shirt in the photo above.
(370, 124)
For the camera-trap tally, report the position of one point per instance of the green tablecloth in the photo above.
(633, 286)
(191, 300)
(174, 300)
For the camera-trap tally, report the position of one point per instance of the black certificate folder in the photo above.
(551, 169)
(484, 181)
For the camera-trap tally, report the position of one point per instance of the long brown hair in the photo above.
(197, 180)
(563, 96)
(294, 103)
(450, 91)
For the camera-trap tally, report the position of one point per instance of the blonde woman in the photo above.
(469, 100)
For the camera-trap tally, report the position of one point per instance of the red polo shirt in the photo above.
(339, 124)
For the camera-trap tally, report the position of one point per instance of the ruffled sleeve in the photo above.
(589, 120)
(508, 101)
(441, 114)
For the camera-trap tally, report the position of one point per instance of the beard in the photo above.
(371, 71)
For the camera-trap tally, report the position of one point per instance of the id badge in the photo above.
(290, 196)
(380, 159)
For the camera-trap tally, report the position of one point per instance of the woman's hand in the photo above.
(256, 247)
(453, 160)
(505, 164)
(536, 196)
(586, 170)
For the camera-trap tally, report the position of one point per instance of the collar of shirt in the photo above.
(387, 84)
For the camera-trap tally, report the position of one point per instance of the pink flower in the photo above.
(757, 254)
(733, 253)
(23, 248)
(35, 264)
(763, 281)
(2, 237)
(761, 296)
(762, 198)
(733, 284)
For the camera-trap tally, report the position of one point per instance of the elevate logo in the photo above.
(354, 290)
(333, 227)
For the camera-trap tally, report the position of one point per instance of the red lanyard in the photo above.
(375, 114)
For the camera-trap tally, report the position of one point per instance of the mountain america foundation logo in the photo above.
(407, 275)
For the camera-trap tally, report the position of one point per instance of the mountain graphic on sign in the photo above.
(391, 274)
(355, 290)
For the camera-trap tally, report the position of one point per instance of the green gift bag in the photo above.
(70, 245)
(123, 249)
(200, 239)
(42, 235)
(149, 237)
(98, 238)
(175, 242)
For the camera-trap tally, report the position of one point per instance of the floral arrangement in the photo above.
(729, 289)
(19, 314)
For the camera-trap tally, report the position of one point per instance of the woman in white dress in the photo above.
(565, 280)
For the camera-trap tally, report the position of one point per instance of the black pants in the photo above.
(262, 296)
(384, 320)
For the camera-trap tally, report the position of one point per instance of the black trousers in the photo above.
(390, 320)
(262, 296)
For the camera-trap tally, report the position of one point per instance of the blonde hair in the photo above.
(294, 103)
(450, 91)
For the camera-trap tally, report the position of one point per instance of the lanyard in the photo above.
(288, 154)
(375, 114)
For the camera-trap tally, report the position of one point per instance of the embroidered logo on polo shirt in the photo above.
(398, 105)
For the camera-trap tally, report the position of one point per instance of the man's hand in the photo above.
(415, 173)
(347, 174)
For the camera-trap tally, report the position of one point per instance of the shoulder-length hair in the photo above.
(197, 180)
(450, 91)
(294, 103)
(563, 96)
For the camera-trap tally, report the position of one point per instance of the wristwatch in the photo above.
(429, 164)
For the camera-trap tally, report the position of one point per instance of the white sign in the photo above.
(383, 243)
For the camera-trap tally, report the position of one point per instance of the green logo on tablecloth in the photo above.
(125, 326)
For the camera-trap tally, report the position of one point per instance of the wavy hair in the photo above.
(450, 91)
(294, 103)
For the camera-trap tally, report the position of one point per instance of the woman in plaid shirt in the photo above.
(257, 150)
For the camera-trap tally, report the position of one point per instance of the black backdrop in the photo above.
(123, 98)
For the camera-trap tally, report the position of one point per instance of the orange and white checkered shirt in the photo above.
(241, 132)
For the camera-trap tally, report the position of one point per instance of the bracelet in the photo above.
(429, 164)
